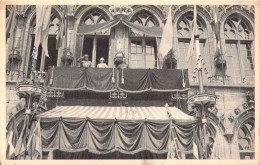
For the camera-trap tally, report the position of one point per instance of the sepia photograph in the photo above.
(100, 82)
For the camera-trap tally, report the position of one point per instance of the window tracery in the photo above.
(246, 139)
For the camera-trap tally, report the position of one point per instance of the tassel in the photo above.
(183, 82)
(113, 76)
(51, 80)
(123, 81)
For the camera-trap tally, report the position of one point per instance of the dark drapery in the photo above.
(109, 79)
(107, 136)
(140, 80)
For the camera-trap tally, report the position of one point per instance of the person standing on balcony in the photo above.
(102, 63)
(84, 60)
(123, 65)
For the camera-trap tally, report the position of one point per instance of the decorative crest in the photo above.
(120, 10)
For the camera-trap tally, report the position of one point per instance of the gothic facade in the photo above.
(234, 113)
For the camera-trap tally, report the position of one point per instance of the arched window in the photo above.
(95, 17)
(184, 34)
(43, 62)
(238, 44)
(143, 48)
(96, 45)
(246, 139)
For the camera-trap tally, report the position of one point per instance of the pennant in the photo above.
(20, 147)
(194, 31)
(197, 43)
(43, 13)
(167, 38)
(197, 147)
(62, 29)
(34, 144)
(12, 138)
(216, 29)
(9, 141)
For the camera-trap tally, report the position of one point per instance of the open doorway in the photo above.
(88, 47)
(53, 53)
(102, 49)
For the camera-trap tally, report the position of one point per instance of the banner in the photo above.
(191, 47)
(62, 29)
(167, 39)
(43, 13)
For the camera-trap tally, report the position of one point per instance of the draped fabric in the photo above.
(151, 31)
(140, 80)
(109, 79)
(102, 130)
(100, 79)
(105, 136)
(88, 29)
(79, 47)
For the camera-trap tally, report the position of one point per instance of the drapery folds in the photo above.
(102, 130)
(100, 79)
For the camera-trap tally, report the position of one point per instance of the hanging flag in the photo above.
(34, 145)
(10, 22)
(20, 147)
(43, 13)
(62, 29)
(167, 39)
(12, 138)
(197, 147)
(191, 47)
(216, 28)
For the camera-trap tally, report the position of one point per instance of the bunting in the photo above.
(167, 39)
(43, 13)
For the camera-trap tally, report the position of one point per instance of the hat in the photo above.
(86, 55)
(102, 59)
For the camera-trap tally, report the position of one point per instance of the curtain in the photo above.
(79, 48)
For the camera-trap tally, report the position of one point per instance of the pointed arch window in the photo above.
(184, 34)
(43, 62)
(143, 49)
(246, 139)
(239, 55)
(185, 27)
(96, 45)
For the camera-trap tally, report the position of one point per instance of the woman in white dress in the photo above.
(102, 63)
